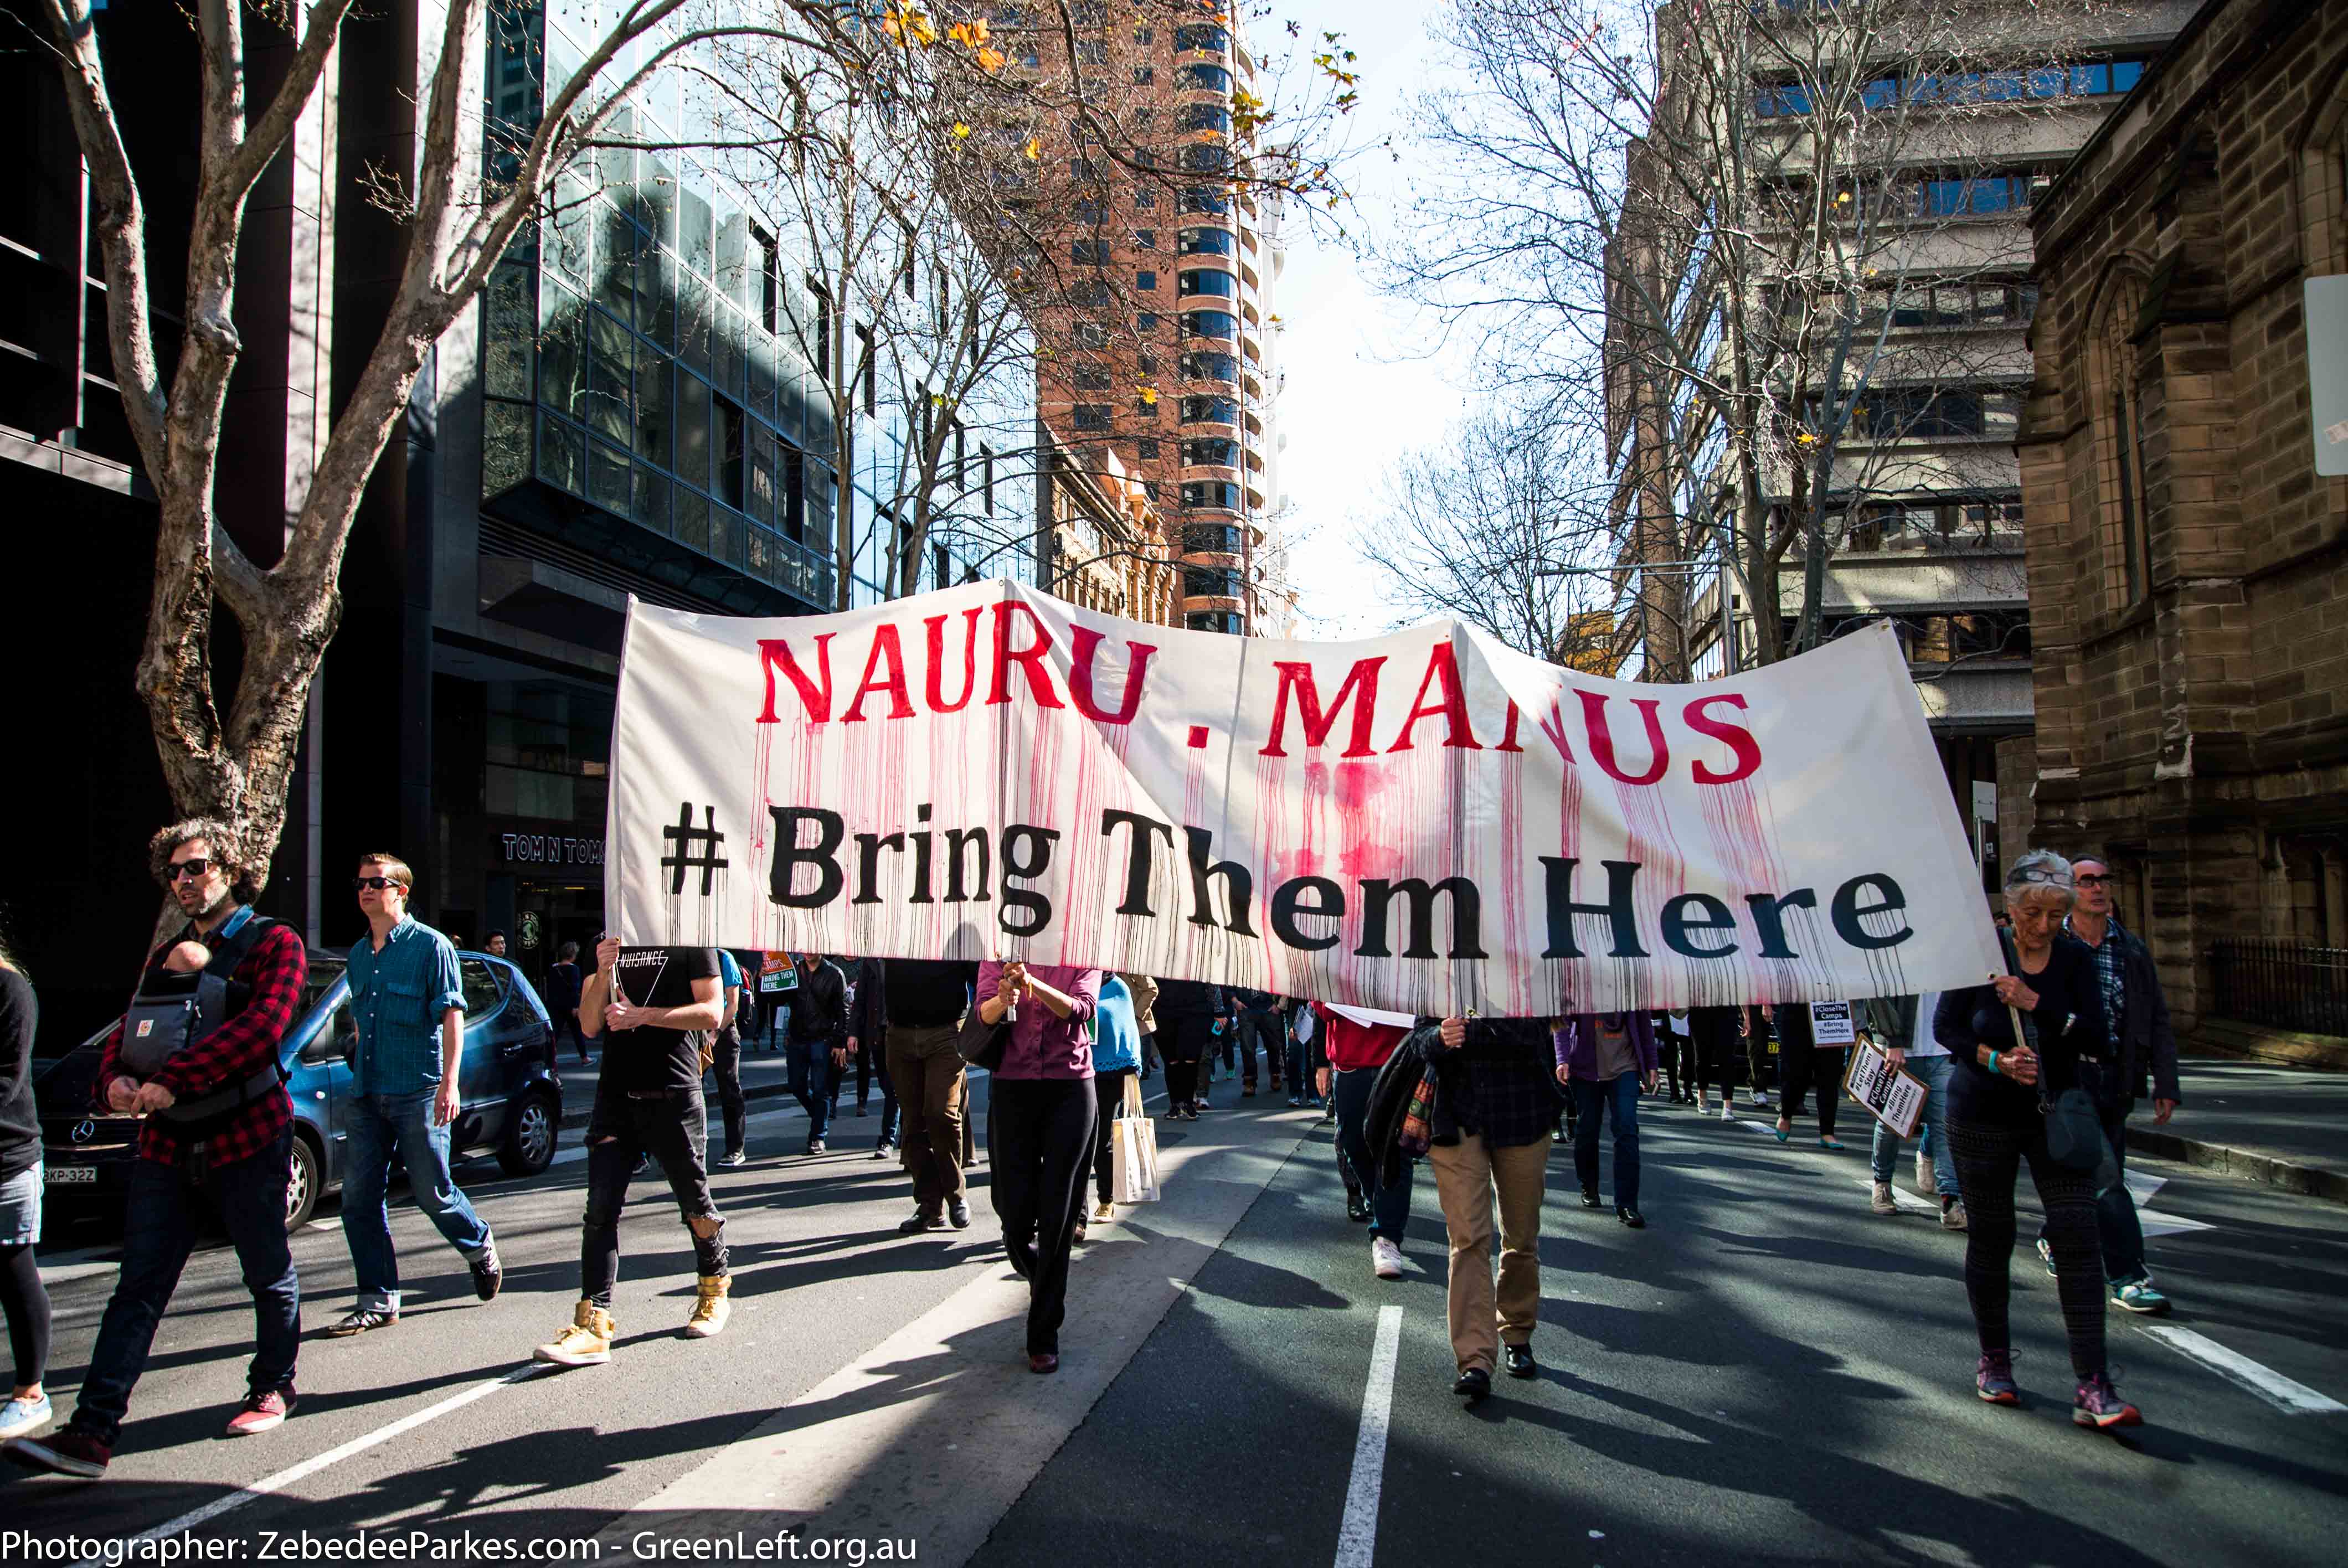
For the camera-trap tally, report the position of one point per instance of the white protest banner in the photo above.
(1423, 822)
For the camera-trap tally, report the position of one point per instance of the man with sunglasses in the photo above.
(407, 1002)
(2142, 1048)
(217, 1134)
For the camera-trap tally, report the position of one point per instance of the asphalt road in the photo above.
(1767, 1373)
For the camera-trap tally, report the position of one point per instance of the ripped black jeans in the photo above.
(673, 1128)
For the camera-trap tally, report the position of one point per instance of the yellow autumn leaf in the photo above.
(920, 26)
(960, 130)
(1034, 150)
(1149, 396)
(990, 60)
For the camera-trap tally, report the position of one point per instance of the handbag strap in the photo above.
(1132, 1108)
(2025, 1025)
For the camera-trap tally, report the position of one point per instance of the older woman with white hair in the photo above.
(2002, 1079)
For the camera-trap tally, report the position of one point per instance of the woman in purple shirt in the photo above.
(1040, 1131)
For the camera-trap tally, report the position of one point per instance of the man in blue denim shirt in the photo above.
(409, 1003)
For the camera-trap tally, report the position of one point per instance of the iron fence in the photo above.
(2290, 985)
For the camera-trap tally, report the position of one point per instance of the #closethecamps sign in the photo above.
(1424, 821)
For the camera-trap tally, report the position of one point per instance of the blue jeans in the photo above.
(810, 1068)
(1592, 1102)
(1389, 1206)
(159, 1227)
(1934, 1071)
(380, 1126)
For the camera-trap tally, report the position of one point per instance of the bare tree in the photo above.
(1505, 526)
(460, 217)
(1723, 217)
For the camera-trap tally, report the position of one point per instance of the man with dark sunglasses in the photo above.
(2141, 1052)
(407, 1002)
(218, 1134)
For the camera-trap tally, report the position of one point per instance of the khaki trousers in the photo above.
(1466, 1173)
(930, 1089)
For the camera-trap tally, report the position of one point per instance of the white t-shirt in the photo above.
(1924, 1044)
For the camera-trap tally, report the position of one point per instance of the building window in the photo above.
(1145, 239)
(2115, 401)
(1145, 198)
(1221, 284)
(1091, 335)
(1092, 416)
(1145, 323)
(1202, 198)
(1146, 450)
(1211, 324)
(1205, 116)
(1146, 281)
(1089, 253)
(1207, 243)
(986, 477)
(822, 327)
(1201, 37)
(868, 370)
(1144, 75)
(940, 569)
(1089, 292)
(1211, 411)
(1210, 367)
(1090, 378)
(1205, 494)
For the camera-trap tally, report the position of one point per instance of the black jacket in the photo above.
(1389, 1102)
(819, 1008)
(2148, 1045)
(918, 993)
(1501, 1083)
(20, 1123)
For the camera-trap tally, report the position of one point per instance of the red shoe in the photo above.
(261, 1412)
(1041, 1361)
(69, 1452)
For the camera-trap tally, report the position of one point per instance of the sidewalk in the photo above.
(2284, 1126)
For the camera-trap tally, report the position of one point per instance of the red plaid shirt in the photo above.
(275, 968)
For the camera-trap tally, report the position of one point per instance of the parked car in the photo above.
(509, 1094)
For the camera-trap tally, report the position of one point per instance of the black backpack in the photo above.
(157, 1028)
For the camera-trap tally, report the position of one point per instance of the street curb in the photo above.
(2249, 1165)
(580, 1117)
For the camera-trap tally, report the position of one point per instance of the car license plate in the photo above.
(67, 1175)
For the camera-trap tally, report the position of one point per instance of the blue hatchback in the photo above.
(509, 1094)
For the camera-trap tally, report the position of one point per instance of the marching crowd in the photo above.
(2041, 1067)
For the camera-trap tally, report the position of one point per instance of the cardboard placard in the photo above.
(1830, 1024)
(1889, 1093)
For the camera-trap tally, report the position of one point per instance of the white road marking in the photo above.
(1357, 1536)
(2285, 1394)
(2142, 1187)
(292, 1474)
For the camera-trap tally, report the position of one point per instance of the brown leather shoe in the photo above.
(1040, 1362)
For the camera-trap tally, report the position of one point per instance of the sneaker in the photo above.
(958, 1213)
(879, 1150)
(18, 1417)
(736, 1158)
(1924, 1183)
(1761, 1097)
(69, 1452)
(586, 1342)
(815, 1145)
(2046, 1256)
(1727, 1112)
(260, 1412)
(1882, 1203)
(1952, 1214)
(489, 1273)
(2098, 1405)
(1296, 1101)
(710, 1307)
(1386, 1258)
(2138, 1295)
(365, 1320)
(1994, 1378)
(1104, 1214)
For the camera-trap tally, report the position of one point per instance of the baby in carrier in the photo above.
(182, 966)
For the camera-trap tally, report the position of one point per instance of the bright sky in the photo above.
(1361, 386)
